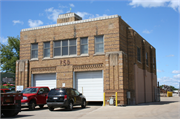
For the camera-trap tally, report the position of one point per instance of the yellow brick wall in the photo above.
(117, 61)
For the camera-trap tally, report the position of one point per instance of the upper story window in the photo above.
(138, 54)
(146, 58)
(84, 45)
(153, 63)
(47, 49)
(99, 44)
(72, 47)
(65, 47)
(34, 50)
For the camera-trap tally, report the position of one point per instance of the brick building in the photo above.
(94, 56)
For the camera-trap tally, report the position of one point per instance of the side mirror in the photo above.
(80, 93)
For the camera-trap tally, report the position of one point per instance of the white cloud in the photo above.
(34, 23)
(177, 76)
(3, 40)
(86, 15)
(82, 14)
(175, 4)
(72, 5)
(62, 6)
(176, 71)
(160, 70)
(53, 13)
(170, 55)
(17, 22)
(147, 31)
(169, 81)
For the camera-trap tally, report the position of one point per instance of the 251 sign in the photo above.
(64, 62)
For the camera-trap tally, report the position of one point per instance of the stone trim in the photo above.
(87, 66)
(41, 69)
(116, 52)
(69, 23)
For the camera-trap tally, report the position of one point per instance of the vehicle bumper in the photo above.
(24, 104)
(57, 104)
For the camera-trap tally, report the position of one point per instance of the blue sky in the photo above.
(157, 21)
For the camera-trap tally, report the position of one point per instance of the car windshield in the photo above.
(57, 92)
(30, 90)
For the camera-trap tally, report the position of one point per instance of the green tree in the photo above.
(173, 88)
(9, 54)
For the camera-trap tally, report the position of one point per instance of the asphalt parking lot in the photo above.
(168, 108)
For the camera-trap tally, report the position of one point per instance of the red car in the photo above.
(5, 90)
(33, 96)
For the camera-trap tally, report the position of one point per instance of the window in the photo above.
(47, 49)
(76, 93)
(146, 58)
(57, 48)
(72, 47)
(65, 47)
(84, 45)
(72, 92)
(99, 44)
(153, 63)
(138, 54)
(34, 50)
(46, 90)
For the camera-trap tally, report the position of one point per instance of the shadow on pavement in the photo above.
(74, 109)
(36, 109)
(94, 103)
(18, 116)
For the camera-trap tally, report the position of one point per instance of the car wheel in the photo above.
(70, 106)
(51, 108)
(83, 105)
(41, 106)
(32, 105)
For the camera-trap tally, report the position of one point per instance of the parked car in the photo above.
(12, 88)
(4, 90)
(10, 103)
(33, 96)
(65, 98)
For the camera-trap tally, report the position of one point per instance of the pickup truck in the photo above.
(33, 96)
(4, 90)
(10, 104)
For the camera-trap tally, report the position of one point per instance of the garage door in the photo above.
(92, 85)
(45, 80)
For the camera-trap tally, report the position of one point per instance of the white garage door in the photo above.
(45, 80)
(92, 83)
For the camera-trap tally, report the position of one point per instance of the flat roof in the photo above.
(69, 23)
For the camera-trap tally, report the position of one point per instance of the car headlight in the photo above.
(25, 98)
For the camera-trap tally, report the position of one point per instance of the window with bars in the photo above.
(34, 50)
(65, 47)
(99, 44)
(47, 49)
(138, 54)
(84, 45)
